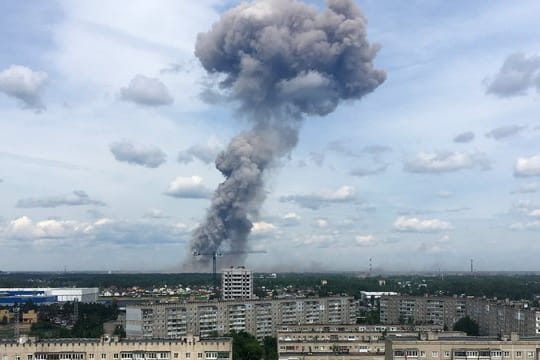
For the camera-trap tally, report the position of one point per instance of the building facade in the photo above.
(236, 283)
(258, 317)
(444, 311)
(444, 347)
(188, 348)
(494, 317)
(12, 296)
(346, 342)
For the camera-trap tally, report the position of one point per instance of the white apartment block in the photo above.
(188, 348)
(236, 283)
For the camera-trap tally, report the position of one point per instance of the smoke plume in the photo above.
(279, 60)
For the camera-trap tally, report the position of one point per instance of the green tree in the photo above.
(270, 348)
(467, 325)
(245, 346)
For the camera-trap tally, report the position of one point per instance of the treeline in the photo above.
(91, 317)
(518, 286)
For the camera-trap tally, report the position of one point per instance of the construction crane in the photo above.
(217, 253)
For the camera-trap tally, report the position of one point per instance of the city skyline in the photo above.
(109, 139)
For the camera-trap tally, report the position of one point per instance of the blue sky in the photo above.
(106, 147)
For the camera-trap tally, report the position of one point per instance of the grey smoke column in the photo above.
(279, 60)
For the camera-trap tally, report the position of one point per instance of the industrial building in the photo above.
(443, 346)
(188, 348)
(236, 284)
(258, 317)
(12, 296)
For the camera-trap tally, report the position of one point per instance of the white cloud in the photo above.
(343, 194)
(262, 227)
(290, 219)
(535, 213)
(154, 214)
(364, 240)
(138, 154)
(322, 223)
(78, 198)
(147, 91)
(411, 224)
(188, 187)
(527, 166)
(445, 161)
(24, 84)
(530, 225)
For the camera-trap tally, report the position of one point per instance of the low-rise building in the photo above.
(188, 348)
(460, 347)
(12, 296)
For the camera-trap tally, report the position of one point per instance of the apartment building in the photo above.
(187, 348)
(236, 284)
(496, 317)
(258, 317)
(443, 311)
(350, 342)
(443, 347)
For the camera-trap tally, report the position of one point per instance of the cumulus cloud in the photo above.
(445, 161)
(412, 224)
(464, 137)
(504, 132)
(188, 187)
(517, 74)
(364, 240)
(138, 154)
(106, 231)
(262, 227)
(369, 171)
(343, 147)
(78, 198)
(322, 223)
(206, 153)
(23, 84)
(146, 91)
(290, 219)
(527, 166)
(314, 201)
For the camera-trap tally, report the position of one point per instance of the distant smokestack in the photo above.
(280, 60)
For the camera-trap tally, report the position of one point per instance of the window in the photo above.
(506, 353)
(103, 356)
(422, 354)
(188, 355)
(211, 355)
(530, 354)
(447, 354)
(29, 357)
(434, 354)
(115, 356)
(4, 357)
(175, 355)
(17, 357)
(412, 353)
(469, 353)
(199, 356)
(518, 354)
(90, 356)
(496, 353)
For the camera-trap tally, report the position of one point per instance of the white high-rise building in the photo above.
(236, 284)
